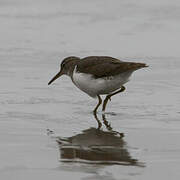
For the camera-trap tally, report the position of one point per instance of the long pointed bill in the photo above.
(55, 77)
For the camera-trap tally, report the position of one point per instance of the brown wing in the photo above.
(103, 66)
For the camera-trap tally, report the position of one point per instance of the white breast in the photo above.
(93, 87)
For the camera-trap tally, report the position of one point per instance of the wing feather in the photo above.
(104, 66)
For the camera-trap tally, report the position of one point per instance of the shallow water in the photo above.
(50, 132)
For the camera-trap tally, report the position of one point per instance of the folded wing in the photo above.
(103, 66)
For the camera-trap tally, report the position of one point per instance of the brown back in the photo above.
(103, 66)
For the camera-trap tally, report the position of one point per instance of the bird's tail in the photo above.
(135, 66)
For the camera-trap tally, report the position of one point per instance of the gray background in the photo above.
(35, 35)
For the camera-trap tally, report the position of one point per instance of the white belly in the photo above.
(94, 87)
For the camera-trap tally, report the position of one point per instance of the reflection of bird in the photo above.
(95, 146)
(98, 75)
(107, 125)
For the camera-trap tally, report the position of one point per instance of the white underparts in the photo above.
(105, 85)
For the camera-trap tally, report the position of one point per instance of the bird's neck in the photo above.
(71, 67)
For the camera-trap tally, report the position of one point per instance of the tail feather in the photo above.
(136, 66)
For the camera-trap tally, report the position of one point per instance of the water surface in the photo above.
(49, 132)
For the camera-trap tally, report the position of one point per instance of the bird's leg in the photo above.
(108, 97)
(98, 121)
(99, 103)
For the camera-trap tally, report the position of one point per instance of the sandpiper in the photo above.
(98, 75)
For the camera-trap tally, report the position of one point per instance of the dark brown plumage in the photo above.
(103, 66)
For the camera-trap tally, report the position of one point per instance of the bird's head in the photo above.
(66, 67)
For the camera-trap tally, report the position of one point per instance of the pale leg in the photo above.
(99, 103)
(108, 97)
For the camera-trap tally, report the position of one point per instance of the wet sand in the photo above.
(50, 132)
